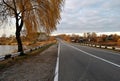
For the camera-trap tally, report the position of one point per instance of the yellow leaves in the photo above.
(40, 14)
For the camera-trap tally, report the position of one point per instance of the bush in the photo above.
(7, 56)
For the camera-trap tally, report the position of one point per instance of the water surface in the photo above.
(7, 49)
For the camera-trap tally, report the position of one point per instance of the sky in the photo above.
(8, 28)
(79, 16)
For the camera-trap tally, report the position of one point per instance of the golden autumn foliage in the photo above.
(42, 15)
(34, 15)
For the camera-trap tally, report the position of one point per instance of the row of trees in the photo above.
(33, 15)
(112, 39)
(92, 37)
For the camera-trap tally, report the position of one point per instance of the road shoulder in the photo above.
(38, 68)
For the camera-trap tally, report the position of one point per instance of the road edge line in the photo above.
(57, 65)
(107, 61)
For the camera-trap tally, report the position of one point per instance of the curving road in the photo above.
(82, 63)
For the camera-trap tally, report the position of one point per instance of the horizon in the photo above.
(81, 34)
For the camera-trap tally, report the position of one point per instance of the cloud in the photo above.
(86, 16)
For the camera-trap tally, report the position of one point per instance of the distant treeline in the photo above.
(110, 40)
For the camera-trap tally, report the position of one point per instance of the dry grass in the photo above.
(109, 43)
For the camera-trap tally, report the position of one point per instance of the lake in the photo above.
(7, 49)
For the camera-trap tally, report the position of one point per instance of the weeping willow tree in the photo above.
(31, 14)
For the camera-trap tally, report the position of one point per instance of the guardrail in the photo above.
(101, 46)
(18, 53)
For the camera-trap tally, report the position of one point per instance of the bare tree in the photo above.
(33, 14)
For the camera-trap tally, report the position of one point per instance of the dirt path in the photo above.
(38, 68)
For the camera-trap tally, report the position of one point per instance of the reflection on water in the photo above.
(7, 49)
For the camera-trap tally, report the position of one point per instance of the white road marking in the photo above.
(57, 65)
(94, 56)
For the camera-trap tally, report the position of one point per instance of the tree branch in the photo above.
(15, 6)
(8, 5)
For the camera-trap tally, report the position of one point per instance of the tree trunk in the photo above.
(19, 42)
(18, 38)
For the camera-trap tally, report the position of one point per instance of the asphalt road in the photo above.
(82, 63)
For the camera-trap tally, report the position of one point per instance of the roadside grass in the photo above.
(19, 59)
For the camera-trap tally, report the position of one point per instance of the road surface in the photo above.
(82, 63)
